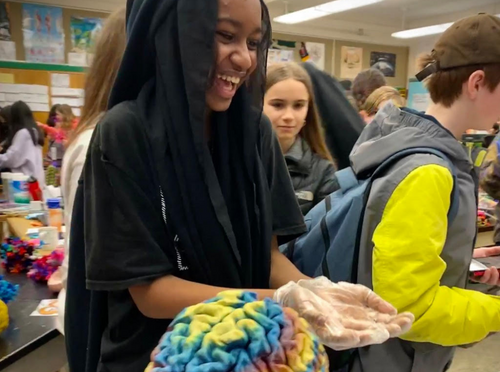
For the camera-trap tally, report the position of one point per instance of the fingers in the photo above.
(486, 252)
(490, 277)
(400, 324)
(369, 298)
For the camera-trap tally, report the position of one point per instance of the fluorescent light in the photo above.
(323, 10)
(424, 31)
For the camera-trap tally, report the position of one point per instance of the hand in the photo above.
(491, 276)
(344, 316)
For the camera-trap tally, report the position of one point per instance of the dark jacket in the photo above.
(341, 122)
(313, 177)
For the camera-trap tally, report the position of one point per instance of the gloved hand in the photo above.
(344, 315)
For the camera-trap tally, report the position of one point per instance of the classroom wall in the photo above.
(402, 53)
(302, 39)
(16, 21)
(333, 55)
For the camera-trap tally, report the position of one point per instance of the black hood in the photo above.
(341, 122)
(167, 67)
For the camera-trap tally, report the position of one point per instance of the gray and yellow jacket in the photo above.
(408, 253)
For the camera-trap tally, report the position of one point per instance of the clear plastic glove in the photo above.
(343, 315)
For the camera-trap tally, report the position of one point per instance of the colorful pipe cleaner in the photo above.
(43, 268)
(16, 255)
(235, 332)
(8, 291)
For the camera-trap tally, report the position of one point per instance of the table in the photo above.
(26, 333)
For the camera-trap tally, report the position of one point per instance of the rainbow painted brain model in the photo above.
(235, 332)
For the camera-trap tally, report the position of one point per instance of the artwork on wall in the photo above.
(351, 63)
(7, 46)
(43, 33)
(4, 22)
(279, 55)
(385, 62)
(316, 53)
(418, 96)
(84, 32)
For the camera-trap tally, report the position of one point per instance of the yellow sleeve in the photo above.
(407, 267)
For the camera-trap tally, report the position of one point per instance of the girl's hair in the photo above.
(382, 94)
(102, 73)
(445, 86)
(5, 123)
(312, 132)
(51, 121)
(22, 118)
(68, 116)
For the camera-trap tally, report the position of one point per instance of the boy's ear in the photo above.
(477, 80)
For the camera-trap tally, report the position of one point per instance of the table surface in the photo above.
(26, 333)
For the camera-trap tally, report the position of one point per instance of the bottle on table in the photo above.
(55, 213)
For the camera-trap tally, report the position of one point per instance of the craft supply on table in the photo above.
(43, 268)
(6, 176)
(17, 255)
(55, 213)
(20, 192)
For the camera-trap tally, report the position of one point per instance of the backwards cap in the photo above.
(470, 41)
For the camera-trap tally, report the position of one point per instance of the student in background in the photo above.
(65, 122)
(378, 99)
(51, 121)
(23, 147)
(365, 84)
(289, 104)
(98, 84)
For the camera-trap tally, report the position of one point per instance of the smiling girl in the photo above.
(289, 104)
(185, 192)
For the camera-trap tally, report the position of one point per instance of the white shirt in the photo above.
(23, 156)
(72, 166)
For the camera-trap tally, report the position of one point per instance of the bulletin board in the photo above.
(41, 75)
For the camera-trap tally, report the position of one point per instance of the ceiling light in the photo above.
(424, 31)
(323, 10)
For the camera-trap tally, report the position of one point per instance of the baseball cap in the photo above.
(470, 41)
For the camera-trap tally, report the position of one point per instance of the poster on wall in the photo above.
(4, 22)
(316, 53)
(7, 46)
(43, 33)
(84, 32)
(279, 55)
(351, 63)
(385, 62)
(418, 96)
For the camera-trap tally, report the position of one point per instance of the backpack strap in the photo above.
(347, 179)
(454, 205)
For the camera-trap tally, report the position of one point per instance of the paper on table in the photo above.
(67, 92)
(7, 50)
(46, 308)
(77, 112)
(60, 80)
(6, 78)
